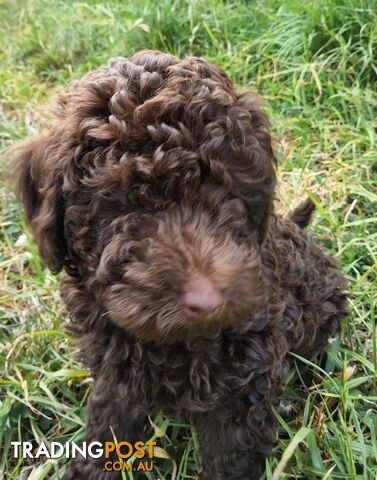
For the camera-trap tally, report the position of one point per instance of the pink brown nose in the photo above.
(201, 299)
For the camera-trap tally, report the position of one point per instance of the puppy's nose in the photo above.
(201, 300)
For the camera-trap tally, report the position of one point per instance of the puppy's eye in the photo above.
(234, 207)
(243, 234)
(231, 211)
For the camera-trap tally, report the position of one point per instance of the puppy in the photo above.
(153, 190)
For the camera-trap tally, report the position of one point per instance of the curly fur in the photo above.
(158, 177)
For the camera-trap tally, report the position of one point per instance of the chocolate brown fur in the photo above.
(158, 178)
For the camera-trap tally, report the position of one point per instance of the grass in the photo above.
(314, 63)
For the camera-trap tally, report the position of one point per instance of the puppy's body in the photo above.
(225, 382)
(155, 193)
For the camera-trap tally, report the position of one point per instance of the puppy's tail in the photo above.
(302, 214)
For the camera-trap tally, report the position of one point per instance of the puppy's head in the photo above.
(154, 187)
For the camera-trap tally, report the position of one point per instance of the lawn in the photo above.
(314, 64)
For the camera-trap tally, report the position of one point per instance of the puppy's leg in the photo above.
(105, 410)
(236, 441)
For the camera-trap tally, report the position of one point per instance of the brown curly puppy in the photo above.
(154, 191)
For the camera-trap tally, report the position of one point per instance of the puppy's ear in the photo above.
(259, 179)
(39, 188)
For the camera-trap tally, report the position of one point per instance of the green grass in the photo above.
(314, 63)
